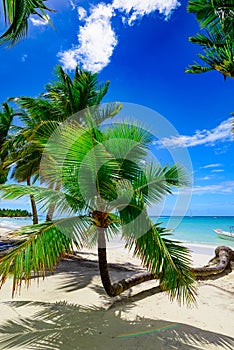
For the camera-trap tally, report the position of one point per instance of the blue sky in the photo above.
(143, 49)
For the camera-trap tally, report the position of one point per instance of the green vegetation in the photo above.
(14, 213)
(16, 15)
(216, 19)
(102, 176)
(106, 187)
(22, 149)
(6, 117)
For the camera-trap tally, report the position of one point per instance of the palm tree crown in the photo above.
(105, 189)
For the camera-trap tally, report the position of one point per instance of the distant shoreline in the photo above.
(14, 213)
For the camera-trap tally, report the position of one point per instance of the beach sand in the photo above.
(70, 310)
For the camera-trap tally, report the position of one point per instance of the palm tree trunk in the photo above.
(220, 263)
(51, 209)
(116, 288)
(217, 265)
(33, 205)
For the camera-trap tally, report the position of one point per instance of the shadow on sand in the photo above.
(62, 326)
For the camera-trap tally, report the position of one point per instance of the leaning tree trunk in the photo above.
(116, 288)
(51, 209)
(217, 265)
(33, 205)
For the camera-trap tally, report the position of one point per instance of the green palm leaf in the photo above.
(217, 17)
(166, 259)
(42, 247)
(65, 203)
(40, 252)
(6, 118)
(209, 13)
(16, 14)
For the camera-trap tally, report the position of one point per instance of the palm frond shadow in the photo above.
(63, 326)
(83, 270)
(78, 274)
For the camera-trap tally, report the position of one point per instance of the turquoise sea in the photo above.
(196, 229)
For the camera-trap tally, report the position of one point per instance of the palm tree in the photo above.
(42, 115)
(105, 189)
(24, 155)
(212, 12)
(218, 52)
(216, 19)
(6, 117)
(16, 15)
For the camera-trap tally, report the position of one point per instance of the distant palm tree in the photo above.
(106, 189)
(41, 116)
(16, 16)
(6, 117)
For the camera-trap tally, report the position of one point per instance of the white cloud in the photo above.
(222, 188)
(97, 41)
(217, 171)
(40, 22)
(221, 133)
(68, 59)
(136, 9)
(97, 38)
(81, 13)
(73, 5)
(215, 165)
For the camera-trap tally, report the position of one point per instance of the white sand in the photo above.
(169, 326)
(3, 232)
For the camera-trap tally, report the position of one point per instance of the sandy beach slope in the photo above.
(70, 310)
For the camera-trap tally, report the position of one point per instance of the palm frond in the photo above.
(210, 13)
(209, 39)
(167, 260)
(126, 140)
(95, 115)
(147, 185)
(218, 38)
(79, 160)
(41, 247)
(156, 181)
(37, 254)
(17, 15)
(196, 68)
(65, 203)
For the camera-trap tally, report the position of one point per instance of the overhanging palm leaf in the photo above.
(44, 197)
(217, 17)
(16, 14)
(167, 260)
(42, 247)
(218, 52)
(220, 59)
(211, 12)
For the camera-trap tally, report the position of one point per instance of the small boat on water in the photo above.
(225, 234)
